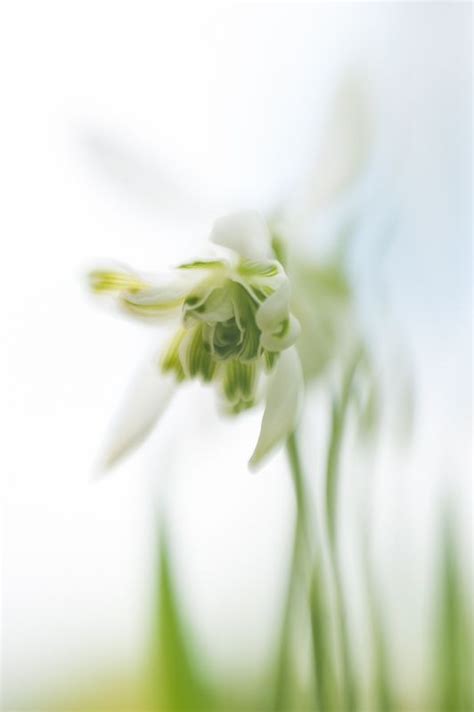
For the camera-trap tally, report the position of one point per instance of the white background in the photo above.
(126, 128)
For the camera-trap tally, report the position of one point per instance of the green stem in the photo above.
(338, 423)
(381, 682)
(302, 524)
(283, 682)
(314, 585)
(324, 679)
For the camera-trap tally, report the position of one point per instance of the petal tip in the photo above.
(254, 464)
(105, 463)
(246, 233)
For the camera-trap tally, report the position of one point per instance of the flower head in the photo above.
(233, 327)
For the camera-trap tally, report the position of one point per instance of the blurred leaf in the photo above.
(383, 690)
(367, 400)
(176, 683)
(454, 649)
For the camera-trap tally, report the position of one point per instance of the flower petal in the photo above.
(246, 233)
(282, 339)
(155, 302)
(149, 296)
(164, 297)
(275, 309)
(115, 279)
(209, 263)
(284, 396)
(145, 401)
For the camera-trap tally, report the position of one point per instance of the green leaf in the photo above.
(176, 682)
(454, 632)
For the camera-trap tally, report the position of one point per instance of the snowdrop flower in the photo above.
(233, 329)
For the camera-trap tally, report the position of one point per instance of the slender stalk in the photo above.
(324, 678)
(338, 423)
(381, 679)
(299, 574)
(302, 523)
(283, 671)
(382, 687)
(310, 574)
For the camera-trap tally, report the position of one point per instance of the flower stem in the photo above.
(339, 417)
(294, 459)
(295, 577)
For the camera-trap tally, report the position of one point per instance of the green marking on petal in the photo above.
(282, 330)
(216, 308)
(199, 360)
(171, 362)
(250, 268)
(261, 292)
(148, 305)
(245, 309)
(239, 381)
(202, 264)
(270, 358)
(193, 354)
(241, 405)
(111, 281)
(195, 300)
(284, 336)
(191, 300)
(226, 340)
(275, 309)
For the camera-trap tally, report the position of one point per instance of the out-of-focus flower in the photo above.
(233, 328)
(316, 226)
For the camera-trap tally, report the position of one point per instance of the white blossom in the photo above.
(233, 329)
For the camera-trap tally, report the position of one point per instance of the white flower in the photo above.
(233, 328)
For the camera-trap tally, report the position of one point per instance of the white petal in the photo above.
(165, 297)
(346, 145)
(147, 398)
(273, 342)
(284, 397)
(275, 309)
(246, 233)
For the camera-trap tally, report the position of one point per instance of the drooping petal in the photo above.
(284, 398)
(165, 296)
(279, 328)
(144, 403)
(149, 296)
(246, 233)
(114, 279)
(154, 302)
(275, 309)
